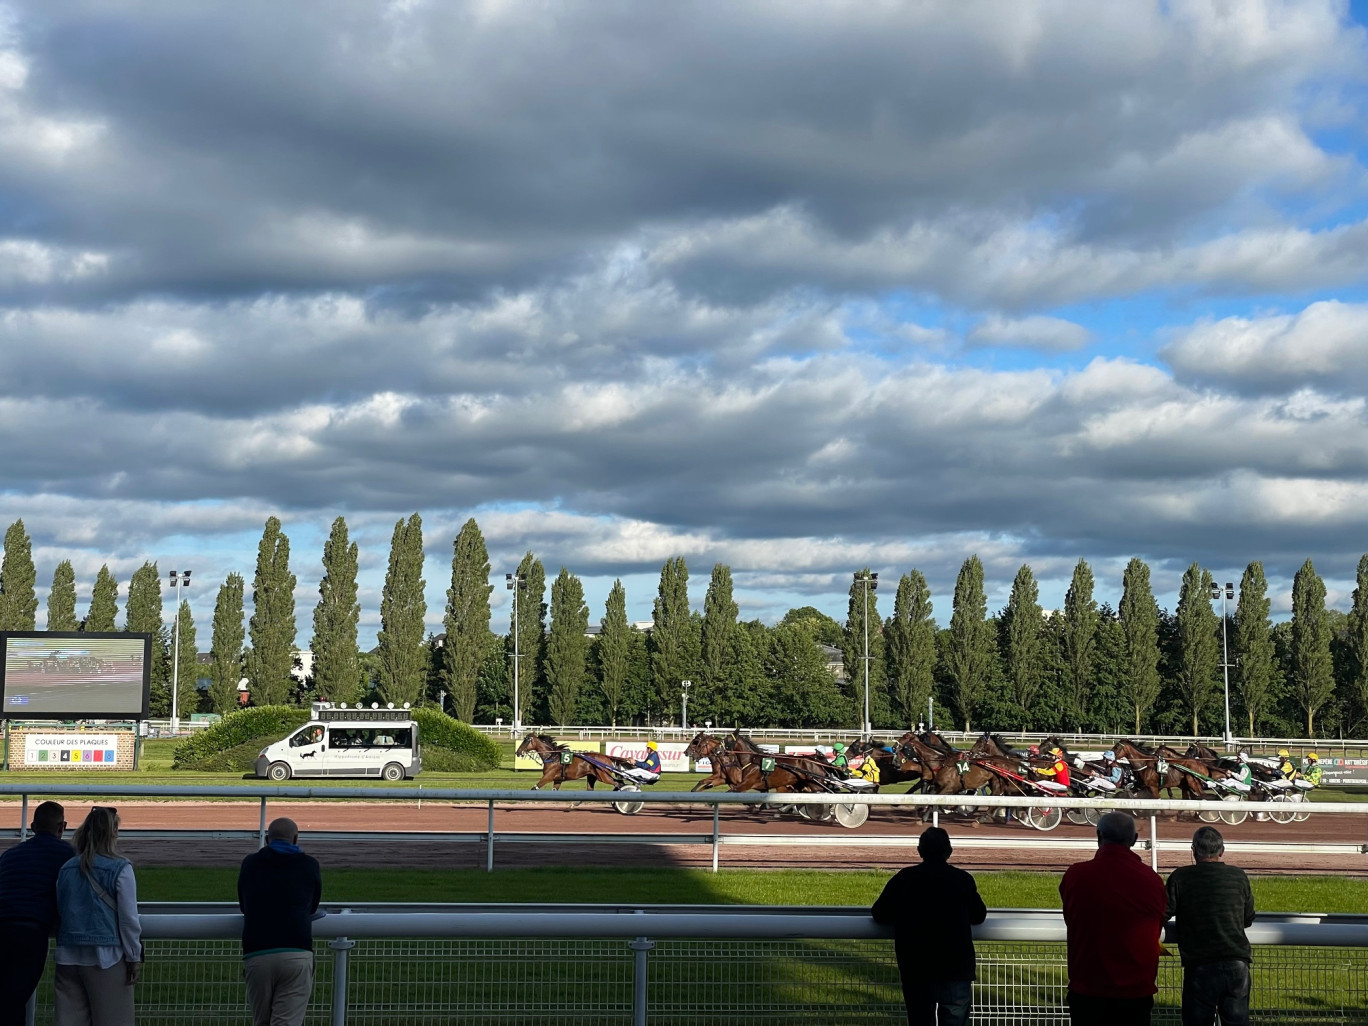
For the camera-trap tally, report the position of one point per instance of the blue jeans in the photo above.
(953, 999)
(1216, 987)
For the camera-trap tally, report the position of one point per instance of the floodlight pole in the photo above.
(1224, 594)
(178, 578)
(868, 580)
(515, 582)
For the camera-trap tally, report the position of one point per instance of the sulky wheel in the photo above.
(1044, 819)
(629, 808)
(1078, 817)
(1233, 813)
(1299, 799)
(1211, 815)
(851, 815)
(1282, 815)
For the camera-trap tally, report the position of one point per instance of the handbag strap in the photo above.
(100, 892)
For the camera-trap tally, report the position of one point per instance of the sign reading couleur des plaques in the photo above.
(75, 751)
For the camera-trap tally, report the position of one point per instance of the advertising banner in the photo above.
(71, 751)
(1340, 772)
(672, 757)
(533, 761)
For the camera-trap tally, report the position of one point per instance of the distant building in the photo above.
(835, 660)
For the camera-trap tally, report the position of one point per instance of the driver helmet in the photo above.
(1284, 753)
(1311, 757)
(653, 746)
(1056, 750)
(839, 747)
(1244, 755)
(1034, 749)
(1108, 756)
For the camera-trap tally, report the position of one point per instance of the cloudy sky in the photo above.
(797, 286)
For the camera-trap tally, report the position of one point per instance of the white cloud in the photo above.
(1051, 334)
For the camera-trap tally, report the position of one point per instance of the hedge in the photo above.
(232, 744)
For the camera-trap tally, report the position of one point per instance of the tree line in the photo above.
(1085, 667)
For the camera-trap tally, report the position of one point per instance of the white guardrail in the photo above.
(780, 946)
(491, 838)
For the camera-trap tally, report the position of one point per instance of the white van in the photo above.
(342, 742)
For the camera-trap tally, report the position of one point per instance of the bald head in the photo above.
(282, 830)
(1116, 828)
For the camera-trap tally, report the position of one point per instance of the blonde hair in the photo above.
(98, 835)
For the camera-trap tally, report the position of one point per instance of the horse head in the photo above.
(702, 746)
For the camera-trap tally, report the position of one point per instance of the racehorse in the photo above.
(895, 766)
(1145, 768)
(557, 769)
(725, 768)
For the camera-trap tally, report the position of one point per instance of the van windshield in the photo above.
(370, 737)
(310, 735)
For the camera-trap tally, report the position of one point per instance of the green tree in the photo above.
(566, 646)
(746, 693)
(911, 633)
(1139, 616)
(272, 626)
(336, 659)
(143, 615)
(862, 648)
(1080, 641)
(1199, 647)
(1256, 672)
(614, 651)
(61, 604)
(530, 600)
(467, 618)
(18, 579)
(805, 692)
(226, 645)
(674, 638)
(1313, 679)
(823, 629)
(1023, 627)
(403, 610)
(104, 603)
(969, 644)
(186, 676)
(716, 638)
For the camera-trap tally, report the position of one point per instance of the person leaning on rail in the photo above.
(1114, 909)
(28, 908)
(1214, 905)
(99, 935)
(279, 888)
(937, 973)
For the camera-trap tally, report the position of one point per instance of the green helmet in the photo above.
(839, 747)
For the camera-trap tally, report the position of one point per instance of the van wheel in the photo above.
(279, 771)
(392, 771)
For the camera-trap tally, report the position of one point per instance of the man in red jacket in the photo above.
(1114, 909)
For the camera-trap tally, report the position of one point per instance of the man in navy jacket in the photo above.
(28, 908)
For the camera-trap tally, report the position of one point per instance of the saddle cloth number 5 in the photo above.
(567, 758)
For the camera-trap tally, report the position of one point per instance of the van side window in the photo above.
(308, 736)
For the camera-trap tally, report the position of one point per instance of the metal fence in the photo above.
(691, 969)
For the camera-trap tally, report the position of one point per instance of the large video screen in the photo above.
(74, 676)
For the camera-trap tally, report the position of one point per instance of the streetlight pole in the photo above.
(1228, 592)
(179, 579)
(871, 583)
(515, 583)
(684, 702)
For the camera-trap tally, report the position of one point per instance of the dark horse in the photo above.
(560, 764)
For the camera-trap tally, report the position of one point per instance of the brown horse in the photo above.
(560, 764)
(1146, 770)
(725, 767)
(896, 766)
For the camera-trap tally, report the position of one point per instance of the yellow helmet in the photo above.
(1312, 756)
(652, 746)
(1284, 753)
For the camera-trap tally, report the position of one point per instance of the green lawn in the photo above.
(695, 887)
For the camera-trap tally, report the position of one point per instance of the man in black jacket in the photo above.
(28, 908)
(932, 908)
(279, 888)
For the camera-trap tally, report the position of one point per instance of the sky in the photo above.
(800, 287)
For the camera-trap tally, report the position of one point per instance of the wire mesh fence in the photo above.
(695, 982)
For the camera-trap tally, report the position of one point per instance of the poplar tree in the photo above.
(187, 666)
(1079, 641)
(566, 646)
(18, 579)
(969, 641)
(272, 625)
(674, 640)
(61, 604)
(853, 650)
(104, 603)
(1023, 625)
(531, 603)
(911, 633)
(143, 615)
(614, 650)
(403, 610)
(1139, 616)
(1256, 669)
(1313, 677)
(336, 661)
(467, 619)
(226, 645)
(719, 622)
(1199, 649)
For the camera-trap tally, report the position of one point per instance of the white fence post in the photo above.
(716, 843)
(489, 840)
(340, 947)
(1154, 841)
(262, 829)
(23, 819)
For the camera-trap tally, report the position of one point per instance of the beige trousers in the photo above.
(279, 985)
(86, 995)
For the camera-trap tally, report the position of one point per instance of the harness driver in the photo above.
(647, 770)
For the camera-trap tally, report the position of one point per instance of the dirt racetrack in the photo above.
(385, 818)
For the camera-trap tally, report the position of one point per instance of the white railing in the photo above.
(525, 964)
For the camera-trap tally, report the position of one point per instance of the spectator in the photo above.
(28, 908)
(937, 975)
(1213, 904)
(279, 888)
(1114, 909)
(99, 937)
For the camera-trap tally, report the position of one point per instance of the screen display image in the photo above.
(75, 676)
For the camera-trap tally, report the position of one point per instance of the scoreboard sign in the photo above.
(71, 751)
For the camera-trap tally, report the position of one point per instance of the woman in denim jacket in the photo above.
(99, 937)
